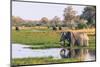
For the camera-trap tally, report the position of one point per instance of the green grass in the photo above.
(41, 39)
(41, 60)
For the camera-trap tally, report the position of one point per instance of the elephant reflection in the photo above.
(74, 38)
(74, 53)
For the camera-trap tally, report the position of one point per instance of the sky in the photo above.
(35, 11)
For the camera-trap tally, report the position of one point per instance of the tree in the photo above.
(77, 19)
(69, 15)
(81, 25)
(56, 21)
(16, 21)
(44, 20)
(89, 14)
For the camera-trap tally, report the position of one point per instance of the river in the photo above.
(23, 51)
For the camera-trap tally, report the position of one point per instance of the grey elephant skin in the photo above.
(75, 38)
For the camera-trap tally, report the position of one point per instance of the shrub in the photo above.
(81, 26)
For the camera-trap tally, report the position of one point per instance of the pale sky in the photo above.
(32, 11)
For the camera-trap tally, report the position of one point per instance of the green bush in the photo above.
(81, 26)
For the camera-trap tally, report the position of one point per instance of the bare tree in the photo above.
(69, 15)
(55, 21)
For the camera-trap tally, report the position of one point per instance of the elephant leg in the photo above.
(81, 42)
(77, 42)
(86, 40)
(72, 43)
(86, 43)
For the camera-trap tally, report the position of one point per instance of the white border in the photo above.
(5, 33)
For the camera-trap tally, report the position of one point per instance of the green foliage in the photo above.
(28, 24)
(89, 14)
(81, 26)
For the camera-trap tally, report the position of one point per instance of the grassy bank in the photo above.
(43, 60)
(41, 39)
(36, 39)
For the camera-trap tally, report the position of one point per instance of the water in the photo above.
(23, 51)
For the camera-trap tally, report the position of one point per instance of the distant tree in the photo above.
(77, 19)
(55, 21)
(69, 15)
(89, 14)
(44, 20)
(16, 21)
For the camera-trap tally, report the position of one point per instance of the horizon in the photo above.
(35, 11)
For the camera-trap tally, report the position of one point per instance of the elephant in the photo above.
(75, 38)
(80, 53)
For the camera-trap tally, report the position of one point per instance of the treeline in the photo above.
(71, 20)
